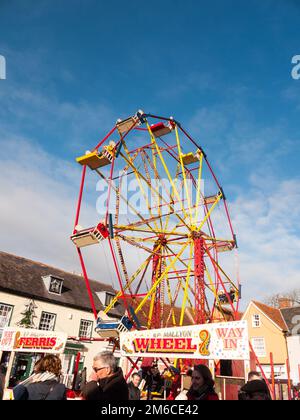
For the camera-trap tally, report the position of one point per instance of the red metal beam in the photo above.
(199, 270)
(155, 321)
(87, 282)
(105, 138)
(80, 198)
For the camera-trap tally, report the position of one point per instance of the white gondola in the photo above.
(92, 236)
(111, 328)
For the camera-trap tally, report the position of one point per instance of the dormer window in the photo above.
(105, 298)
(108, 298)
(53, 284)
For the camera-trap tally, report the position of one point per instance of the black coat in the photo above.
(134, 392)
(2, 382)
(48, 390)
(113, 388)
(154, 383)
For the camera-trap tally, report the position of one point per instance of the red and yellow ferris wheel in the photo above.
(166, 224)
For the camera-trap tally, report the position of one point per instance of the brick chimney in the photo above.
(285, 302)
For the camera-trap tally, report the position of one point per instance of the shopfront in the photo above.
(20, 349)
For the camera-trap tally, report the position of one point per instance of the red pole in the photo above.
(118, 274)
(273, 375)
(260, 367)
(87, 282)
(105, 138)
(80, 197)
(109, 189)
(156, 320)
(76, 369)
(199, 281)
(134, 366)
(289, 379)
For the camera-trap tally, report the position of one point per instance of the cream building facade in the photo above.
(267, 334)
(59, 302)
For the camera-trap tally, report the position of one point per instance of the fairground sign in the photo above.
(226, 341)
(32, 341)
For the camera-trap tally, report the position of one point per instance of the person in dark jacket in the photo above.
(153, 380)
(80, 380)
(133, 387)
(202, 388)
(44, 383)
(255, 390)
(107, 382)
(2, 380)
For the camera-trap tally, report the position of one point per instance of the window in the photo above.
(259, 346)
(85, 329)
(105, 297)
(55, 285)
(47, 322)
(5, 315)
(108, 299)
(256, 321)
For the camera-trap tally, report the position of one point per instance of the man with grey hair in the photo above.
(107, 382)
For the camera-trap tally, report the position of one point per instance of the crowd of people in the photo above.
(107, 383)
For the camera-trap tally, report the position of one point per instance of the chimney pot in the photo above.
(285, 303)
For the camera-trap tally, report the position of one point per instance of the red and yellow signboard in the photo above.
(226, 341)
(32, 341)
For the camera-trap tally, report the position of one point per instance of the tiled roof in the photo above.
(292, 319)
(23, 277)
(274, 314)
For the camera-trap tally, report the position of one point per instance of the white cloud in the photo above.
(37, 210)
(267, 224)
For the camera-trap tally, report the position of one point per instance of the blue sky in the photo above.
(222, 68)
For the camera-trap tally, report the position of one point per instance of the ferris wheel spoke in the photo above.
(125, 200)
(137, 176)
(186, 288)
(130, 282)
(172, 197)
(155, 191)
(143, 155)
(118, 189)
(172, 300)
(219, 197)
(166, 271)
(183, 174)
(180, 282)
(172, 304)
(199, 188)
(167, 171)
(218, 267)
(138, 287)
(217, 303)
(120, 253)
(135, 242)
(158, 179)
(221, 281)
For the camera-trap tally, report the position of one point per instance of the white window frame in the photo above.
(108, 299)
(4, 307)
(88, 325)
(52, 319)
(256, 321)
(262, 352)
(5, 319)
(52, 279)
